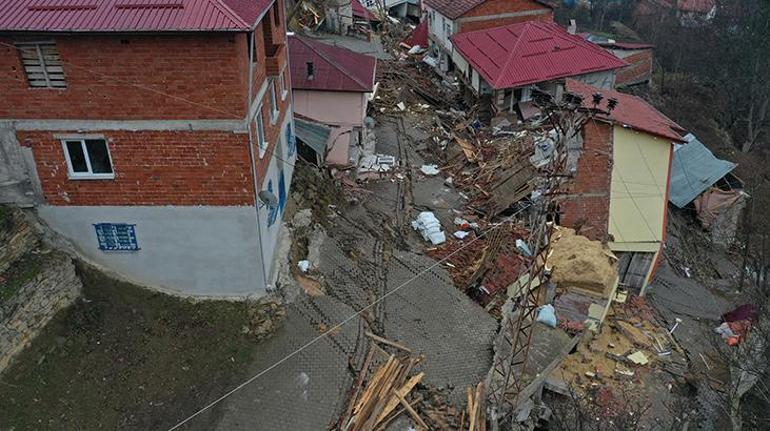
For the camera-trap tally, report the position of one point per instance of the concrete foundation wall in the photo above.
(198, 251)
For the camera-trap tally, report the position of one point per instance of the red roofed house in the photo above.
(639, 57)
(447, 18)
(156, 136)
(508, 62)
(332, 86)
(620, 190)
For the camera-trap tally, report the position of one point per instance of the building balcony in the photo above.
(276, 58)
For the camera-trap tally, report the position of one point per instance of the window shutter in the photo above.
(42, 65)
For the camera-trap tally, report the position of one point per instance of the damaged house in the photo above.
(639, 56)
(620, 190)
(158, 140)
(701, 179)
(507, 63)
(447, 18)
(332, 87)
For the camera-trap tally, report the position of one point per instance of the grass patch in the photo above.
(124, 357)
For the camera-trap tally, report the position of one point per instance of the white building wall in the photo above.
(198, 251)
(440, 28)
(281, 166)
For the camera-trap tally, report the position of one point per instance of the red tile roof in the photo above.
(131, 15)
(334, 68)
(531, 52)
(456, 8)
(419, 35)
(631, 111)
(359, 11)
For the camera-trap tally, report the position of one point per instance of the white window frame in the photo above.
(274, 111)
(90, 175)
(259, 127)
(282, 84)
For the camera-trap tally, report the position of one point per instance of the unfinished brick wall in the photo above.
(152, 168)
(586, 207)
(639, 69)
(102, 73)
(494, 8)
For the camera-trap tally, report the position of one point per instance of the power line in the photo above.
(344, 321)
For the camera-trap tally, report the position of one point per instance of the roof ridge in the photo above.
(333, 63)
(588, 44)
(526, 26)
(227, 10)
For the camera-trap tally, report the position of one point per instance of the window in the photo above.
(273, 103)
(448, 29)
(260, 128)
(116, 237)
(88, 159)
(282, 85)
(310, 70)
(42, 65)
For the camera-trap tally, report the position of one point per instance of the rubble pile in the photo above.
(487, 266)
(579, 263)
(630, 346)
(406, 83)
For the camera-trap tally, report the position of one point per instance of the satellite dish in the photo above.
(268, 198)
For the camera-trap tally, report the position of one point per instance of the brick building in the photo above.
(447, 18)
(620, 191)
(156, 136)
(639, 56)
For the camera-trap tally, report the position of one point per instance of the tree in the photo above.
(740, 63)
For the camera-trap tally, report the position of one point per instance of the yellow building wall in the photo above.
(638, 194)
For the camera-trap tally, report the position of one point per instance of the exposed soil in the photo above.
(124, 357)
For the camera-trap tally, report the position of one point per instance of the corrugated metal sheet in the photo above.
(455, 8)
(530, 52)
(631, 111)
(694, 170)
(130, 15)
(314, 135)
(334, 68)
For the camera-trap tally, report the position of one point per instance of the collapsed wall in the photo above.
(35, 283)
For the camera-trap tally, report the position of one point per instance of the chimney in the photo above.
(310, 70)
(572, 29)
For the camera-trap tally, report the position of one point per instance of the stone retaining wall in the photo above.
(35, 283)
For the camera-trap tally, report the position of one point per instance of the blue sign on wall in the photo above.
(291, 141)
(272, 212)
(116, 237)
(281, 191)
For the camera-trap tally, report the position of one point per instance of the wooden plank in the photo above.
(412, 413)
(359, 384)
(403, 391)
(388, 342)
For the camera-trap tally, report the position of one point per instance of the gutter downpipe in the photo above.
(252, 158)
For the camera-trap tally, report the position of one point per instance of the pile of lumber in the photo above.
(477, 413)
(385, 397)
